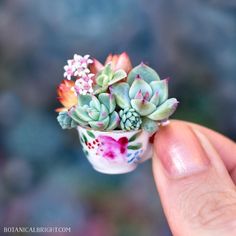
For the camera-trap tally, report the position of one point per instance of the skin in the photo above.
(194, 170)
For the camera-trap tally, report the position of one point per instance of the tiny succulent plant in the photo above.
(130, 119)
(98, 113)
(113, 96)
(66, 95)
(107, 77)
(66, 121)
(146, 94)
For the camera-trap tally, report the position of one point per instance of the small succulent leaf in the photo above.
(84, 99)
(161, 87)
(96, 66)
(165, 110)
(124, 118)
(108, 70)
(139, 85)
(90, 134)
(82, 114)
(114, 121)
(98, 89)
(108, 100)
(103, 113)
(142, 107)
(135, 147)
(101, 78)
(132, 138)
(145, 72)
(121, 93)
(65, 121)
(93, 113)
(123, 62)
(105, 81)
(73, 114)
(149, 125)
(128, 124)
(95, 103)
(128, 114)
(74, 124)
(155, 98)
(99, 125)
(122, 126)
(119, 75)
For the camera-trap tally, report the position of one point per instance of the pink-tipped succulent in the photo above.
(147, 95)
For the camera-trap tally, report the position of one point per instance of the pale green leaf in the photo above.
(144, 108)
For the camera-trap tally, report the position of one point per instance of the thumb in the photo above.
(196, 191)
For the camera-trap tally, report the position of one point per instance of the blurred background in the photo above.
(45, 179)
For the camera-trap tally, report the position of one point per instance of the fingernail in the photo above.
(180, 151)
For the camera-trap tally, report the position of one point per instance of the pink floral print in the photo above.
(111, 148)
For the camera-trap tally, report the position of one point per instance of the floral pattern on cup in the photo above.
(109, 148)
(134, 157)
(112, 148)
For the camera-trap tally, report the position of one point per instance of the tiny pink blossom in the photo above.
(84, 61)
(72, 63)
(81, 72)
(88, 78)
(78, 66)
(69, 71)
(83, 85)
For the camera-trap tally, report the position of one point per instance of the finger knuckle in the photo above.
(215, 209)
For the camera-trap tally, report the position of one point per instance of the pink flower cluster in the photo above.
(78, 67)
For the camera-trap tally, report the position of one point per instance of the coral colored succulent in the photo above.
(117, 61)
(66, 95)
(113, 95)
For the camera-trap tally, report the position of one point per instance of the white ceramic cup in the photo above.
(117, 151)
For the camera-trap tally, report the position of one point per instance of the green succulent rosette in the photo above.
(130, 119)
(65, 121)
(147, 95)
(96, 112)
(107, 77)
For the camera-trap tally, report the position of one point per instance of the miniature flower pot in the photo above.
(115, 152)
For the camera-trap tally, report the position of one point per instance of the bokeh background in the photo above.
(45, 179)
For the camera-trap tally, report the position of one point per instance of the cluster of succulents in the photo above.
(113, 96)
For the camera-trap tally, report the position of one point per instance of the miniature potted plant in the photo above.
(116, 109)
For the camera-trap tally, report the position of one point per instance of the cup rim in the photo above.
(110, 131)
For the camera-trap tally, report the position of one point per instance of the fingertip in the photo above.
(179, 150)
